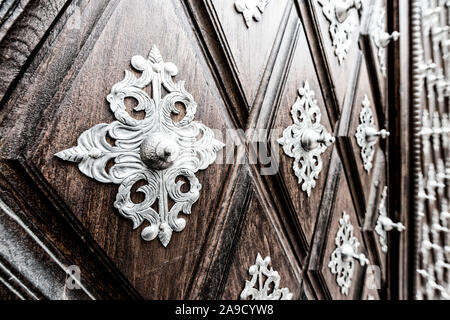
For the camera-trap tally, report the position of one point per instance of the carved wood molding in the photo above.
(32, 22)
(367, 134)
(51, 238)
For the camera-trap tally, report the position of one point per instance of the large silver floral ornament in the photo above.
(343, 258)
(156, 149)
(343, 24)
(382, 39)
(367, 134)
(307, 139)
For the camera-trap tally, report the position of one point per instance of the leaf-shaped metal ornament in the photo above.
(367, 135)
(342, 262)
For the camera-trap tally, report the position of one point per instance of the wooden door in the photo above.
(272, 148)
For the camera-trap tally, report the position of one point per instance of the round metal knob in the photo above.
(389, 225)
(159, 151)
(372, 134)
(343, 8)
(311, 139)
(347, 254)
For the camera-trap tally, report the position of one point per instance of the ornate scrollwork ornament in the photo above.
(342, 262)
(382, 39)
(367, 134)
(437, 131)
(156, 149)
(431, 286)
(384, 223)
(342, 23)
(268, 283)
(251, 9)
(307, 139)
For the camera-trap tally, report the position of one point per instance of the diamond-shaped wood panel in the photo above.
(301, 74)
(249, 48)
(324, 242)
(147, 265)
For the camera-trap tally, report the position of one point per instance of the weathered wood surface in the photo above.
(58, 62)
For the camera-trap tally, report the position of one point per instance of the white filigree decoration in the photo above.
(251, 9)
(342, 259)
(367, 134)
(382, 213)
(260, 271)
(341, 33)
(307, 139)
(156, 149)
(384, 223)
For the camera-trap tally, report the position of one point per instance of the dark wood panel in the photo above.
(48, 76)
(214, 265)
(340, 72)
(55, 87)
(338, 195)
(46, 222)
(148, 265)
(260, 234)
(250, 47)
(10, 11)
(362, 180)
